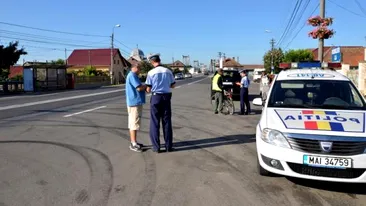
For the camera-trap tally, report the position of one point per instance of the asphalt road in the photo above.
(15, 106)
(78, 155)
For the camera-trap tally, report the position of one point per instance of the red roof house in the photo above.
(96, 57)
(101, 60)
(351, 55)
(15, 70)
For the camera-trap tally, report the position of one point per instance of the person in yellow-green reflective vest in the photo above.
(217, 89)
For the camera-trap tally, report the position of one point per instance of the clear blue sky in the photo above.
(173, 28)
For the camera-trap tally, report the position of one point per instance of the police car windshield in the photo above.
(321, 94)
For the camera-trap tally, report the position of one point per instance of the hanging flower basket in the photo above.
(321, 33)
(327, 22)
(315, 21)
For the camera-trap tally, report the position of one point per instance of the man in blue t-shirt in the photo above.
(135, 99)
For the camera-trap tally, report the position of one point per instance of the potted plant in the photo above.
(315, 21)
(321, 31)
(327, 21)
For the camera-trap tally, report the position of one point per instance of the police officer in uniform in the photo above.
(244, 93)
(217, 89)
(159, 82)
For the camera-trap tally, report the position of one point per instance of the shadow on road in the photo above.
(211, 142)
(350, 189)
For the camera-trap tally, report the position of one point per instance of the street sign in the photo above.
(336, 54)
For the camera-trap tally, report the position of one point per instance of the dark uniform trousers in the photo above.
(160, 109)
(244, 101)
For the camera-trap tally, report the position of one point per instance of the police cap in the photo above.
(243, 71)
(155, 56)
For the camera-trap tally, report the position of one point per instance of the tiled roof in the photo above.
(83, 57)
(252, 66)
(177, 64)
(230, 62)
(15, 70)
(351, 55)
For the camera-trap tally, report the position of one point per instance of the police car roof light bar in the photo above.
(310, 65)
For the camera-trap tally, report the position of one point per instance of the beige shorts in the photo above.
(134, 117)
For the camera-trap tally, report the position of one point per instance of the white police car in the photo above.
(313, 127)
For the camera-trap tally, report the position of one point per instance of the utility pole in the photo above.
(65, 56)
(89, 58)
(321, 41)
(112, 63)
(220, 60)
(272, 57)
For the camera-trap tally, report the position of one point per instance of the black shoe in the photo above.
(216, 112)
(170, 150)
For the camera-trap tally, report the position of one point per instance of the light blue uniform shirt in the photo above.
(134, 97)
(245, 82)
(160, 79)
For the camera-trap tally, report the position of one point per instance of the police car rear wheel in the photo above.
(261, 170)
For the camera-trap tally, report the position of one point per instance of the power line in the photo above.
(46, 48)
(344, 8)
(302, 27)
(301, 14)
(45, 37)
(46, 42)
(361, 7)
(291, 20)
(123, 44)
(48, 30)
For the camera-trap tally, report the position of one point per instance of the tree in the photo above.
(146, 67)
(90, 71)
(298, 55)
(278, 58)
(58, 62)
(9, 55)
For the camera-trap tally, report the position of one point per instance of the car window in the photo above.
(231, 75)
(325, 94)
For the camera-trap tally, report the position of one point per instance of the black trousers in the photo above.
(244, 101)
(160, 110)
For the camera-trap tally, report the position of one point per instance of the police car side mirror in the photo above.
(258, 102)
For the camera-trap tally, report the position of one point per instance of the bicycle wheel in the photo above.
(230, 107)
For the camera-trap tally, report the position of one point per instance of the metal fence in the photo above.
(91, 79)
(11, 87)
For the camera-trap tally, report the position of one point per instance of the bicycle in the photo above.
(227, 103)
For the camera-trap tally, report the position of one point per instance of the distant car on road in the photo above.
(258, 75)
(187, 75)
(179, 76)
(205, 72)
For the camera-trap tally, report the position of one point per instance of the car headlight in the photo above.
(274, 137)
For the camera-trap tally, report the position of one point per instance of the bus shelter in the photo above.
(40, 76)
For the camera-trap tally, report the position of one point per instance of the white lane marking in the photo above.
(52, 94)
(178, 87)
(69, 98)
(77, 106)
(85, 111)
(57, 100)
(197, 81)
